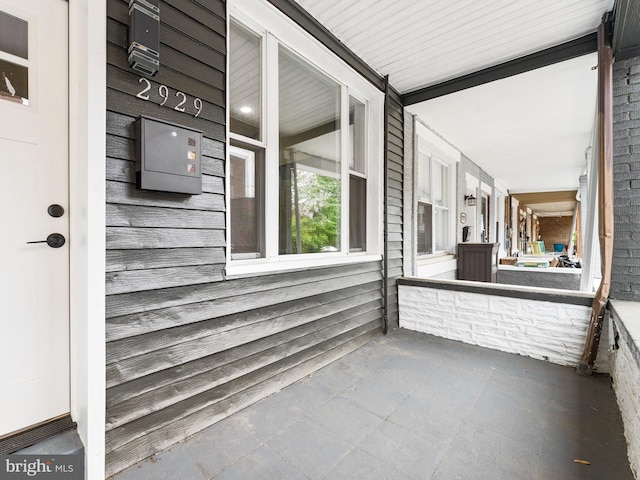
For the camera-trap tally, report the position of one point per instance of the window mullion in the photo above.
(432, 191)
(344, 153)
(271, 123)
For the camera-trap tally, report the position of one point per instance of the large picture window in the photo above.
(310, 157)
(304, 162)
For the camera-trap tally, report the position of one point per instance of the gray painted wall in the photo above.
(625, 281)
(187, 346)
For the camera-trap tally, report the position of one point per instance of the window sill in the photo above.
(435, 258)
(438, 264)
(252, 268)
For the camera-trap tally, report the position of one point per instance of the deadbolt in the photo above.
(55, 240)
(55, 210)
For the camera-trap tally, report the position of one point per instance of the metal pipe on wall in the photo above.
(385, 258)
(605, 191)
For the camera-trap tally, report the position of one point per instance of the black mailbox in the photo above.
(168, 157)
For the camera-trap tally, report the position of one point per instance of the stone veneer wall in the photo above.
(540, 324)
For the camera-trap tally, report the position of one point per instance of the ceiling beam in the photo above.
(543, 58)
(545, 197)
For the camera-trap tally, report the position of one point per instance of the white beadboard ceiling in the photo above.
(529, 131)
(425, 42)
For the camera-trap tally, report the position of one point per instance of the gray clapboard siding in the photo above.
(120, 260)
(139, 323)
(315, 307)
(121, 170)
(212, 166)
(123, 392)
(126, 238)
(184, 10)
(142, 280)
(126, 193)
(131, 368)
(156, 440)
(128, 101)
(126, 434)
(122, 148)
(212, 184)
(157, 399)
(200, 51)
(142, 216)
(127, 82)
(167, 76)
(395, 173)
(127, 304)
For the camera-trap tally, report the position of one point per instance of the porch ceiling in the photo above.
(529, 131)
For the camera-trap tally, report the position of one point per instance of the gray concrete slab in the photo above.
(414, 406)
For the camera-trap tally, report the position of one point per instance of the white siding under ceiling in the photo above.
(422, 43)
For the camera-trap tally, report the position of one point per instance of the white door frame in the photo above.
(87, 180)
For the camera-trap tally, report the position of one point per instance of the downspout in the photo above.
(605, 191)
(385, 258)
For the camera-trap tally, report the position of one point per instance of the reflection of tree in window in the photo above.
(315, 221)
(310, 157)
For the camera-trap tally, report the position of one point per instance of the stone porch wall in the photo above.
(626, 374)
(535, 322)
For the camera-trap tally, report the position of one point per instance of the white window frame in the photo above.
(437, 150)
(276, 29)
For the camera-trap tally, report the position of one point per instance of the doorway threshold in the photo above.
(30, 436)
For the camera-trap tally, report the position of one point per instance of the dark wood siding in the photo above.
(187, 347)
(395, 175)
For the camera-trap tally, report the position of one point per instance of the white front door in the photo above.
(34, 277)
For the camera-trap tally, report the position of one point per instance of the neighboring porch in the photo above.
(411, 405)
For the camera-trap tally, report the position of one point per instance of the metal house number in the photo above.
(177, 101)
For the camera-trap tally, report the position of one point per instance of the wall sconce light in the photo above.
(471, 200)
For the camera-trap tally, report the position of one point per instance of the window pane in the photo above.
(356, 135)
(357, 214)
(309, 108)
(246, 202)
(244, 82)
(424, 178)
(425, 233)
(440, 226)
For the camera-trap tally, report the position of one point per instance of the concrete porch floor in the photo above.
(414, 406)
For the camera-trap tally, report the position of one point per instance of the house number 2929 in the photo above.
(178, 101)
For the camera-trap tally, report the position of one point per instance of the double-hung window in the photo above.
(305, 149)
(433, 199)
(433, 204)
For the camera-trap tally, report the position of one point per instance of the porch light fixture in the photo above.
(471, 200)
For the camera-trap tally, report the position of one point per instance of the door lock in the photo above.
(55, 240)
(55, 210)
